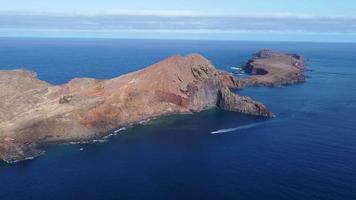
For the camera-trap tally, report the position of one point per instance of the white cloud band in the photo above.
(176, 22)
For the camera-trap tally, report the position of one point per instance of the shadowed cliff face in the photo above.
(33, 112)
(232, 102)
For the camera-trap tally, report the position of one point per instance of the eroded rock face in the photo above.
(33, 112)
(233, 102)
(271, 68)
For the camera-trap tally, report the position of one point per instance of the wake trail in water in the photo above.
(238, 128)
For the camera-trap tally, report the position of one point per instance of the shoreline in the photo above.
(90, 110)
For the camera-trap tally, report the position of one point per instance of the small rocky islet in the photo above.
(34, 113)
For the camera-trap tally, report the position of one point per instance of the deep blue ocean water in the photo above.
(307, 152)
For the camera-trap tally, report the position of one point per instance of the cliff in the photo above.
(230, 101)
(34, 113)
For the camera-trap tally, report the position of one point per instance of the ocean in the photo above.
(307, 152)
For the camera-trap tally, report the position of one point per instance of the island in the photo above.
(34, 113)
(271, 68)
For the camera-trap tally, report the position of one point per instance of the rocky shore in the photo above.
(34, 113)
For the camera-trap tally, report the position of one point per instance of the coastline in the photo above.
(95, 108)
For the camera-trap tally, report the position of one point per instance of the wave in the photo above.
(144, 121)
(237, 128)
(120, 129)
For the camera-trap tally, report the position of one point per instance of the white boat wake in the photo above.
(237, 128)
(236, 68)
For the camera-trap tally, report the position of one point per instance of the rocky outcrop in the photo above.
(233, 102)
(271, 68)
(13, 151)
(34, 113)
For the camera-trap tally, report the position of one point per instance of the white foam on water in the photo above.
(120, 129)
(237, 128)
(144, 121)
(236, 68)
(116, 132)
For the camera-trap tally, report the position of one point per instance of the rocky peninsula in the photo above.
(34, 113)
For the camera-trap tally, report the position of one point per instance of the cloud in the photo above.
(174, 13)
(117, 22)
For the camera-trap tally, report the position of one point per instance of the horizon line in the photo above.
(176, 39)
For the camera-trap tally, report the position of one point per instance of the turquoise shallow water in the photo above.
(307, 152)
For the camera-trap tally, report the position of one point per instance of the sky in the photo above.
(270, 20)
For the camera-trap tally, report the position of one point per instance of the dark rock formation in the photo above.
(233, 102)
(65, 99)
